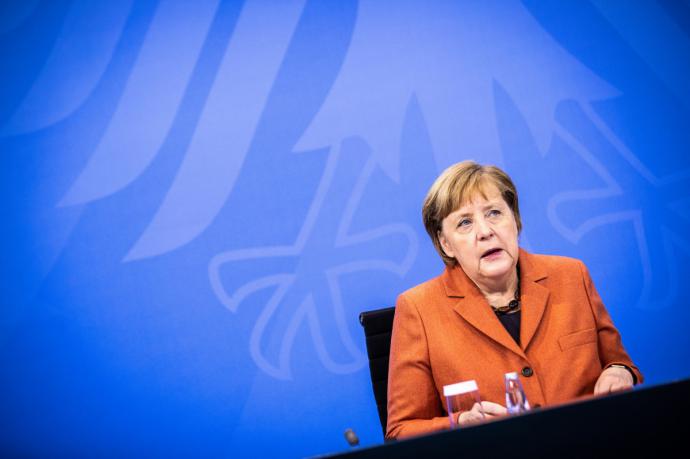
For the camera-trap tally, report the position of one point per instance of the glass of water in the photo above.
(461, 397)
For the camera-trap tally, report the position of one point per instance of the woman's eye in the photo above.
(494, 213)
(464, 222)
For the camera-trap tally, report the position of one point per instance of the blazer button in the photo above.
(527, 372)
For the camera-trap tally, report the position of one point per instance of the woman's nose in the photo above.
(484, 230)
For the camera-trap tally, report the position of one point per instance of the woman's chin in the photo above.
(496, 270)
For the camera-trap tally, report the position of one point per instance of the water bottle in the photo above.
(516, 401)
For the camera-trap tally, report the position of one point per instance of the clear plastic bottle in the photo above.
(516, 401)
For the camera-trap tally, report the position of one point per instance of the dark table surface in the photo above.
(645, 422)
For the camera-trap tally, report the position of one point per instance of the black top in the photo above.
(512, 323)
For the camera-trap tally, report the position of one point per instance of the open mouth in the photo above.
(490, 252)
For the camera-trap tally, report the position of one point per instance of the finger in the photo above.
(472, 416)
(469, 418)
(479, 410)
(477, 417)
(603, 386)
(620, 385)
(610, 384)
(494, 408)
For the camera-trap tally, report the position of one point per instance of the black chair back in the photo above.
(378, 325)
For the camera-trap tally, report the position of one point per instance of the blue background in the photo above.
(199, 198)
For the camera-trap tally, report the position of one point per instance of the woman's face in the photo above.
(482, 236)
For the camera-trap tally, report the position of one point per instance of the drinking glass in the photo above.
(461, 397)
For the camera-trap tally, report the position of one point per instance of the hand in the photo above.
(474, 416)
(613, 379)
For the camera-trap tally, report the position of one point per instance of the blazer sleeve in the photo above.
(414, 407)
(611, 348)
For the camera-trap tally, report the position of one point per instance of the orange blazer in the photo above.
(445, 332)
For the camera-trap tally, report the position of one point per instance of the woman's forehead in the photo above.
(483, 194)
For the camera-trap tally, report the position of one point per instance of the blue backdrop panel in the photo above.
(199, 198)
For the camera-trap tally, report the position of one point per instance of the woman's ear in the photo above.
(444, 245)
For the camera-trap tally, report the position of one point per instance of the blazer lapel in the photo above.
(533, 297)
(473, 307)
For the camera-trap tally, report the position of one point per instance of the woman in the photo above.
(495, 309)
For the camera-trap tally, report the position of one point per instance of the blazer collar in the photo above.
(473, 307)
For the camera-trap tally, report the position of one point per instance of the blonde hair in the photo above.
(456, 186)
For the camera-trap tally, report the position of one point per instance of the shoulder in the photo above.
(422, 305)
(559, 269)
(555, 262)
(423, 292)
